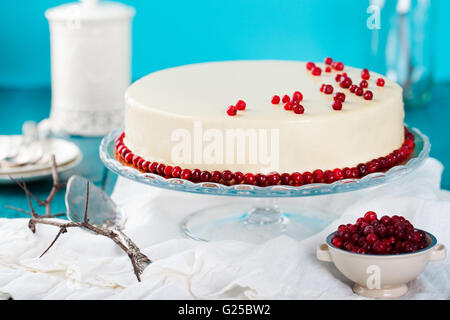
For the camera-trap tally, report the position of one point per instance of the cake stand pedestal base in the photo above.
(255, 223)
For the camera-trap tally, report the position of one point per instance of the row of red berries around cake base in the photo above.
(387, 235)
(274, 178)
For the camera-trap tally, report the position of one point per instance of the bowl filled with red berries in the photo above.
(381, 255)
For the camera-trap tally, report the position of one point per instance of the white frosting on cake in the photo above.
(169, 100)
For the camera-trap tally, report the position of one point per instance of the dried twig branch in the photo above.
(36, 218)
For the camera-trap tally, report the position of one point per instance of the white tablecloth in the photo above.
(82, 265)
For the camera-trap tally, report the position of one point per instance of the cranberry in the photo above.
(240, 105)
(195, 175)
(328, 60)
(386, 220)
(238, 177)
(176, 172)
(232, 111)
(322, 87)
(362, 169)
(337, 105)
(363, 84)
(353, 88)
(372, 167)
(359, 221)
(310, 65)
(297, 179)
(205, 176)
(328, 89)
(297, 96)
(299, 109)
(275, 99)
(285, 178)
(328, 69)
(318, 176)
(371, 238)
(329, 176)
(346, 83)
(339, 66)
(338, 174)
(407, 247)
(379, 247)
(359, 91)
(348, 246)
(347, 173)
(339, 96)
(399, 234)
(168, 171)
(129, 157)
(135, 160)
(380, 230)
(365, 74)
(390, 230)
(316, 71)
(380, 82)
(227, 175)
(216, 176)
(153, 167)
(124, 152)
(342, 228)
(370, 216)
(337, 242)
(289, 106)
(368, 229)
(352, 228)
(338, 77)
(307, 177)
(146, 165)
(286, 98)
(368, 95)
(355, 172)
(249, 178)
(273, 178)
(261, 179)
(354, 237)
(160, 169)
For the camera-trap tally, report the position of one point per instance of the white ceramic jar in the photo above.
(90, 66)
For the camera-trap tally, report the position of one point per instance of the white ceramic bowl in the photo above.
(381, 276)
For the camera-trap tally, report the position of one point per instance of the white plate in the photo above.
(65, 152)
(39, 174)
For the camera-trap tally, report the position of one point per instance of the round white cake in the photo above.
(179, 117)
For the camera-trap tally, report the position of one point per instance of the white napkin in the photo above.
(82, 265)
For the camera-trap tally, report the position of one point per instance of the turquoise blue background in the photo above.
(175, 32)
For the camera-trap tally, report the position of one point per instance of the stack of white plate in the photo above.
(67, 155)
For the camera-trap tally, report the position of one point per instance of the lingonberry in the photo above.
(337, 105)
(307, 177)
(380, 82)
(232, 111)
(297, 178)
(285, 178)
(238, 177)
(240, 105)
(310, 65)
(368, 95)
(250, 178)
(275, 99)
(337, 242)
(273, 178)
(316, 71)
(318, 176)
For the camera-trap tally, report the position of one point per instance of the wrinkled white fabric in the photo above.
(82, 265)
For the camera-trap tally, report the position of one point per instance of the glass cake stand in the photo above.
(261, 219)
